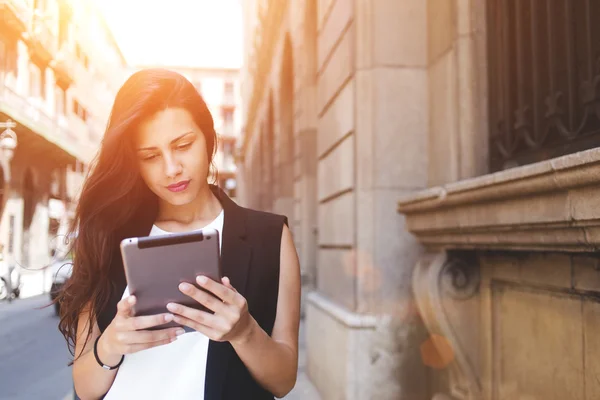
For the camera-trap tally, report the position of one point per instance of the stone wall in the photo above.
(457, 74)
(360, 124)
(539, 321)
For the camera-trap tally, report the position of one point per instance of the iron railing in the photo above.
(544, 79)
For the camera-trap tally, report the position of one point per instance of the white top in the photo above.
(173, 371)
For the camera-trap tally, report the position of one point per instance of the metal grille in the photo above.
(544, 75)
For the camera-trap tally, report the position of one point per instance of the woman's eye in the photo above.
(150, 157)
(184, 146)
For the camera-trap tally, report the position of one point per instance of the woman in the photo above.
(150, 177)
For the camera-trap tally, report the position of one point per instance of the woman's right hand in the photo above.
(127, 334)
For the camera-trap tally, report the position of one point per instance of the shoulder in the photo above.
(264, 219)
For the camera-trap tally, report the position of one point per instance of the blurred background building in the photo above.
(437, 161)
(59, 71)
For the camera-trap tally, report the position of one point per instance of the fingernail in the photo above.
(179, 332)
(184, 286)
(171, 307)
(169, 317)
(202, 280)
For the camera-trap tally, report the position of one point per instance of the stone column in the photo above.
(391, 135)
(363, 330)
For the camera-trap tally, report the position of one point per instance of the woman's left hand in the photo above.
(231, 320)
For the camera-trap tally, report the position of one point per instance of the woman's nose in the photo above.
(172, 167)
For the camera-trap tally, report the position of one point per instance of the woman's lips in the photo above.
(179, 186)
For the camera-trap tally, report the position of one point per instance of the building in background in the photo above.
(437, 161)
(220, 88)
(59, 71)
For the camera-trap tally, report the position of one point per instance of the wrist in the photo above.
(247, 333)
(105, 352)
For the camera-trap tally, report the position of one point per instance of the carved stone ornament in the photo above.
(445, 288)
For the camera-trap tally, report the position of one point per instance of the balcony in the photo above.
(42, 42)
(14, 15)
(43, 129)
(64, 68)
(227, 130)
(74, 183)
(228, 99)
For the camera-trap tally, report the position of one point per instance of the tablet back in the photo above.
(156, 265)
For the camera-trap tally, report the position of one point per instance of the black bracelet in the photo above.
(108, 367)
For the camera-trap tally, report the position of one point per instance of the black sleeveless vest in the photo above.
(250, 258)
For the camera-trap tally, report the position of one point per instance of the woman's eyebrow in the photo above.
(172, 141)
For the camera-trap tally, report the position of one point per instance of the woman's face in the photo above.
(172, 158)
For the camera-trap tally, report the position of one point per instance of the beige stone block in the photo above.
(284, 206)
(336, 170)
(329, 34)
(327, 358)
(338, 120)
(323, 10)
(470, 109)
(399, 129)
(296, 17)
(368, 281)
(298, 166)
(444, 141)
(336, 276)
(391, 24)
(442, 26)
(336, 71)
(464, 16)
(531, 359)
(396, 254)
(546, 270)
(591, 327)
(586, 273)
(298, 199)
(378, 355)
(386, 253)
(584, 203)
(541, 209)
(504, 268)
(336, 221)
(537, 269)
(402, 26)
(365, 133)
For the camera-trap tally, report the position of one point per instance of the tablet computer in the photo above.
(156, 265)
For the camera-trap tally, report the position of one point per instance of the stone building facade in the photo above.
(59, 71)
(437, 162)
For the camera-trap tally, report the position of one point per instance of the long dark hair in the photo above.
(114, 193)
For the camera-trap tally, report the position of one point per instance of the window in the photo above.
(227, 116)
(544, 65)
(35, 81)
(8, 57)
(81, 56)
(228, 89)
(61, 100)
(227, 148)
(79, 110)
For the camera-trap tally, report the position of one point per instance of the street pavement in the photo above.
(34, 356)
(33, 353)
